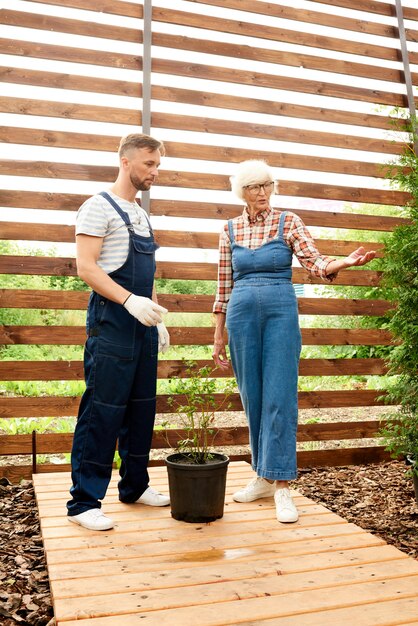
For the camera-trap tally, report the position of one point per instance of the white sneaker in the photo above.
(93, 519)
(285, 509)
(256, 488)
(153, 498)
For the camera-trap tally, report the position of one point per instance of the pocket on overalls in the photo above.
(153, 339)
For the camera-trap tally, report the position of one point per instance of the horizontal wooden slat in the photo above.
(180, 68)
(371, 6)
(254, 53)
(188, 335)
(57, 443)
(172, 239)
(25, 406)
(61, 80)
(329, 219)
(51, 299)
(203, 210)
(306, 458)
(260, 79)
(48, 266)
(84, 141)
(274, 132)
(205, 98)
(54, 52)
(77, 27)
(114, 7)
(29, 106)
(191, 180)
(73, 370)
(250, 29)
(302, 15)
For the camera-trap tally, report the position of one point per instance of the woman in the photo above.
(256, 300)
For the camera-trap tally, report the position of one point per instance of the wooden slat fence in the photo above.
(231, 80)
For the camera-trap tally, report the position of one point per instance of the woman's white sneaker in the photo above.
(92, 519)
(285, 509)
(153, 498)
(257, 488)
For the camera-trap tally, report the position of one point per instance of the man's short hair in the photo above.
(137, 141)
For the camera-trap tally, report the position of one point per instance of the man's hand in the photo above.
(163, 338)
(144, 310)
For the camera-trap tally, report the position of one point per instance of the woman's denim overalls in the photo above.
(120, 367)
(265, 343)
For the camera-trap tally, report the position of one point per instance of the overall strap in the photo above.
(117, 208)
(231, 231)
(281, 225)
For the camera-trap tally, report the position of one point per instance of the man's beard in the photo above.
(140, 184)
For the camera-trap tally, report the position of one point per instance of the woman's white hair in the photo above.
(250, 173)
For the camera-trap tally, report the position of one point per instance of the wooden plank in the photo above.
(100, 606)
(204, 574)
(59, 266)
(371, 6)
(179, 68)
(287, 58)
(250, 29)
(203, 210)
(61, 80)
(84, 141)
(274, 132)
(330, 219)
(342, 456)
(256, 105)
(195, 335)
(190, 303)
(73, 370)
(17, 47)
(17, 406)
(54, 443)
(28, 106)
(114, 7)
(311, 17)
(170, 571)
(61, 233)
(76, 27)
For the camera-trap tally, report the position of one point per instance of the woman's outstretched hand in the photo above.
(359, 257)
(356, 258)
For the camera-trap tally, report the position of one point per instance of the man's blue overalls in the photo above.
(120, 367)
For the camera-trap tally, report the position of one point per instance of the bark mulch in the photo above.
(376, 497)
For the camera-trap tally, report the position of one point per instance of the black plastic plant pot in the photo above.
(197, 492)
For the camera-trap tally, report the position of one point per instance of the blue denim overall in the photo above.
(265, 342)
(120, 367)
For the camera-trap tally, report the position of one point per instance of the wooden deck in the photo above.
(244, 569)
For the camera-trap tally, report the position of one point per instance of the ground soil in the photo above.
(379, 498)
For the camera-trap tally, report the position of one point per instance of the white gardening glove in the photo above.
(145, 310)
(163, 338)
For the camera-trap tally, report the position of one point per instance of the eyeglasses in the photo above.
(255, 189)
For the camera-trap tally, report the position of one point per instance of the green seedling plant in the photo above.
(196, 400)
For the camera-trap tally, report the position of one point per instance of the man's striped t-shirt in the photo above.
(97, 217)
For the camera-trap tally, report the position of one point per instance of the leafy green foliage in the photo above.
(195, 404)
(401, 275)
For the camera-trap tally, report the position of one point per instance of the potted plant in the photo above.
(197, 474)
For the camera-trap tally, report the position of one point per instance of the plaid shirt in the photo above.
(252, 235)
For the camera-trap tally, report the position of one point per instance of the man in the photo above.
(116, 258)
